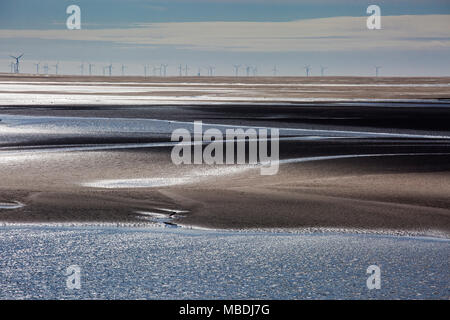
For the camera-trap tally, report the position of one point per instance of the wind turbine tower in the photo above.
(275, 70)
(16, 66)
(82, 69)
(46, 68)
(12, 66)
(211, 70)
(56, 67)
(37, 67)
(145, 70)
(164, 69)
(247, 70)
(90, 68)
(308, 70)
(109, 68)
(377, 70)
(255, 71)
(123, 69)
(186, 69)
(236, 69)
(322, 70)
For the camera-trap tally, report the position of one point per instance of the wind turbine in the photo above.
(46, 68)
(186, 69)
(307, 69)
(322, 70)
(145, 70)
(180, 70)
(123, 69)
(255, 71)
(211, 71)
(37, 67)
(247, 70)
(164, 68)
(56, 67)
(275, 70)
(90, 69)
(109, 68)
(377, 70)
(16, 67)
(236, 69)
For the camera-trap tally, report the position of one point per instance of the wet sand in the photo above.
(403, 188)
(49, 91)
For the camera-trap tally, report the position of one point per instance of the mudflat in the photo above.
(368, 165)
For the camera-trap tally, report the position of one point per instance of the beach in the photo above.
(376, 164)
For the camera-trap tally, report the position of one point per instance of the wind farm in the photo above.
(251, 76)
(161, 69)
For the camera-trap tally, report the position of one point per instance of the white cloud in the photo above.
(413, 32)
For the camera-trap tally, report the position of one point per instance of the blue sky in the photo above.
(414, 40)
(105, 13)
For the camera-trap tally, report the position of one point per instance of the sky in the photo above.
(414, 39)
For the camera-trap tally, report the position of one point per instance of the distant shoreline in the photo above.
(66, 90)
